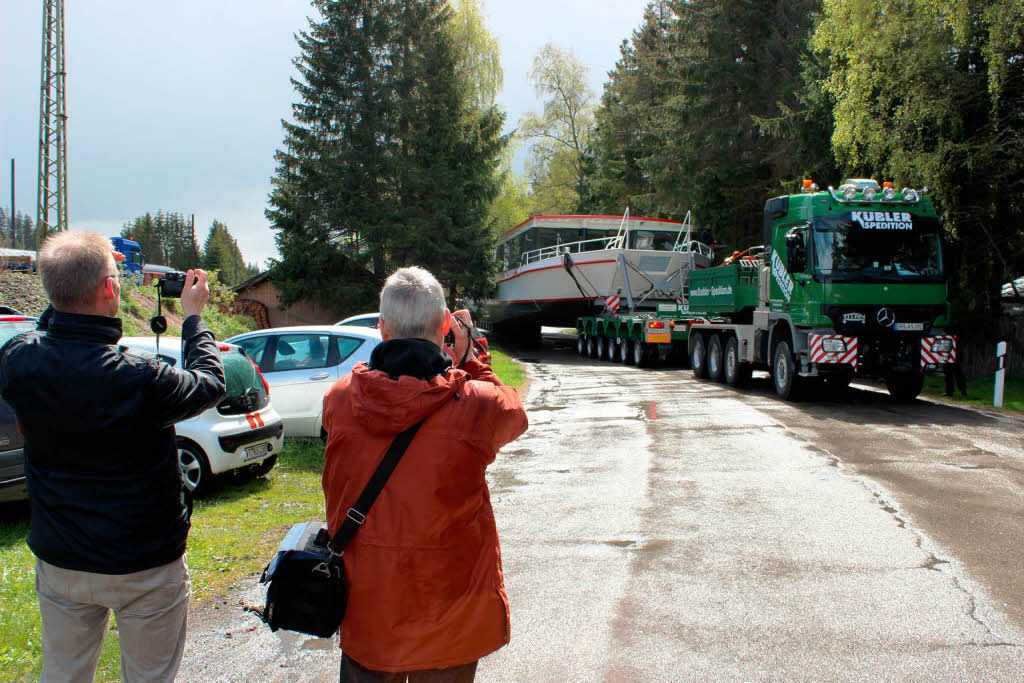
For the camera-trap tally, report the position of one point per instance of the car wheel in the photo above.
(699, 358)
(195, 467)
(263, 468)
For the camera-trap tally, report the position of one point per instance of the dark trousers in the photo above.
(354, 672)
(955, 372)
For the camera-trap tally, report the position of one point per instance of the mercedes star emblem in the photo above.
(885, 317)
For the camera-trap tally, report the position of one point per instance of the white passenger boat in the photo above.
(555, 268)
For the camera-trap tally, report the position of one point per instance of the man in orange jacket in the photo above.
(426, 591)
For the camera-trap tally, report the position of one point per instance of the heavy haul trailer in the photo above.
(847, 284)
(642, 339)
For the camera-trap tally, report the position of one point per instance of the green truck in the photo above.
(848, 283)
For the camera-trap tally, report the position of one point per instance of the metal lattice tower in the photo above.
(52, 198)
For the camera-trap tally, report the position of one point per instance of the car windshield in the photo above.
(9, 330)
(245, 390)
(880, 246)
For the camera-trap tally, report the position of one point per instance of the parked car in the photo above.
(243, 431)
(12, 453)
(301, 363)
(480, 345)
(361, 320)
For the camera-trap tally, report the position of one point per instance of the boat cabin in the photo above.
(542, 237)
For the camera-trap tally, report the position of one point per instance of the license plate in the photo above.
(909, 327)
(659, 339)
(257, 451)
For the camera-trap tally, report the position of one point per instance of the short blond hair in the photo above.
(412, 303)
(72, 266)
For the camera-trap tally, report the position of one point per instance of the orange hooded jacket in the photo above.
(426, 588)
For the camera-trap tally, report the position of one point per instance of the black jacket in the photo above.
(106, 492)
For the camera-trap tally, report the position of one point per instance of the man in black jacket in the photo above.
(109, 509)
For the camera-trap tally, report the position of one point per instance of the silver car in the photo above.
(301, 363)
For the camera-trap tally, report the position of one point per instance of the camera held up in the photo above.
(172, 284)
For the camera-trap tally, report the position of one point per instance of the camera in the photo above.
(172, 284)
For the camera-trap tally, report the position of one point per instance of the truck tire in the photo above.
(639, 354)
(615, 352)
(904, 386)
(623, 351)
(627, 352)
(581, 344)
(699, 357)
(784, 377)
(737, 373)
(592, 346)
(715, 359)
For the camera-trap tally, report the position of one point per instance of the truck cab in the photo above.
(133, 261)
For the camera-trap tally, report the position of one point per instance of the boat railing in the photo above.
(695, 247)
(596, 244)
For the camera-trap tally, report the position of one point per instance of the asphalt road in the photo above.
(658, 528)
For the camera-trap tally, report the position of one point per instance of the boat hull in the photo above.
(548, 293)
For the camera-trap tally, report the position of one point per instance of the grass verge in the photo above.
(980, 392)
(509, 371)
(235, 530)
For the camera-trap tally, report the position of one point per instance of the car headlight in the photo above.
(942, 346)
(833, 346)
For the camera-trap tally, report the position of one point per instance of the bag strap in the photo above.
(357, 513)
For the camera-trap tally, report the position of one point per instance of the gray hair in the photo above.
(72, 266)
(412, 303)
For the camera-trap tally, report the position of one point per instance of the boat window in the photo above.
(597, 233)
(655, 240)
(548, 237)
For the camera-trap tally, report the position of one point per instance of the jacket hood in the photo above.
(405, 381)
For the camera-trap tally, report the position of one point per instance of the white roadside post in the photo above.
(1000, 372)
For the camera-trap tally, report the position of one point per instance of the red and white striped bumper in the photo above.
(819, 355)
(929, 357)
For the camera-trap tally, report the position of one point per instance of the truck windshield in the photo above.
(878, 246)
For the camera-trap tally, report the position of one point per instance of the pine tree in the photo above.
(390, 161)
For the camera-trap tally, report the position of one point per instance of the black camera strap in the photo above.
(357, 513)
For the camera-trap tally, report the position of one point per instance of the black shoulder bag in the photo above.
(308, 592)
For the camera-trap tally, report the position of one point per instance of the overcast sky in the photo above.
(177, 105)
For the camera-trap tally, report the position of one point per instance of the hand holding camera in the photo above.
(459, 341)
(195, 293)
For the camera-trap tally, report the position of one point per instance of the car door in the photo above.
(300, 367)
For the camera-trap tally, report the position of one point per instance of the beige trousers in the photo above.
(151, 608)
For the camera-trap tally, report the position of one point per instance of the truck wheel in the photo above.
(195, 467)
(787, 382)
(623, 352)
(699, 358)
(905, 386)
(715, 359)
(639, 354)
(737, 373)
(581, 344)
(613, 350)
(627, 352)
(592, 346)
(607, 348)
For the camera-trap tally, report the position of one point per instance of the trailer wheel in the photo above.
(581, 344)
(787, 383)
(737, 373)
(699, 357)
(627, 352)
(615, 350)
(639, 354)
(623, 351)
(592, 346)
(715, 359)
(905, 386)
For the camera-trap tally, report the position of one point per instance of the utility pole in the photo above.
(52, 196)
(14, 212)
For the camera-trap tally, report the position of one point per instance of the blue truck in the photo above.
(132, 254)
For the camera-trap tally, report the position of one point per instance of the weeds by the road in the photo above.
(980, 392)
(235, 531)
